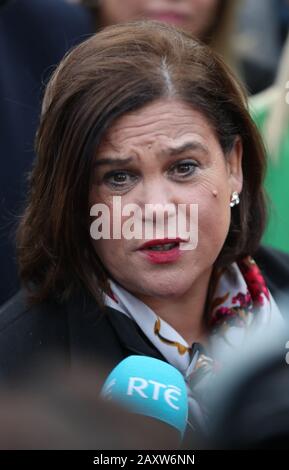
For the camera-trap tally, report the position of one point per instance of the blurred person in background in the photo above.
(34, 36)
(208, 20)
(211, 21)
(145, 112)
(270, 110)
(259, 40)
(233, 28)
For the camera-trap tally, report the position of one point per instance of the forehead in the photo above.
(160, 122)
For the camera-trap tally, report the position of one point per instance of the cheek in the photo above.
(111, 253)
(214, 223)
(116, 11)
(214, 216)
(207, 10)
(107, 249)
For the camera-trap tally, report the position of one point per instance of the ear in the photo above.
(234, 165)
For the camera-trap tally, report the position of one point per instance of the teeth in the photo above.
(167, 246)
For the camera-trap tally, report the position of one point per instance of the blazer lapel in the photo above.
(109, 335)
(131, 336)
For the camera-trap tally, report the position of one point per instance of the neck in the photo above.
(185, 313)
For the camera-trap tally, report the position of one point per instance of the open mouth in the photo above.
(164, 247)
(167, 16)
(162, 251)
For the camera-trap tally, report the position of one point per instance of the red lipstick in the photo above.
(156, 251)
(167, 17)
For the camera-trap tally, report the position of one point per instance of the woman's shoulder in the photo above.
(27, 333)
(17, 311)
(67, 332)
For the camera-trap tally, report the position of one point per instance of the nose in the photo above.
(157, 191)
(157, 200)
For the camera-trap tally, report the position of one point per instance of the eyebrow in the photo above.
(185, 147)
(112, 161)
(171, 151)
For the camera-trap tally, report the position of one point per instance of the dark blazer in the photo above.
(77, 328)
(78, 331)
(34, 36)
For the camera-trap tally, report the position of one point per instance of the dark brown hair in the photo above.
(118, 70)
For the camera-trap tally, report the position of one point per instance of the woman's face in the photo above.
(164, 153)
(196, 16)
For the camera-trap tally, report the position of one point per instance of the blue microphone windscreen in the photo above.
(149, 387)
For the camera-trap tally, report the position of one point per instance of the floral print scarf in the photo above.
(241, 305)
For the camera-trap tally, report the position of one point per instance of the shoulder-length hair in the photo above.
(121, 69)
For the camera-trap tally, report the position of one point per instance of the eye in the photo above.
(183, 169)
(119, 179)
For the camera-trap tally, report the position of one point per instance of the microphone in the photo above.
(150, 387)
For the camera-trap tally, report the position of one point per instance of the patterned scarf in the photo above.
(241, 306)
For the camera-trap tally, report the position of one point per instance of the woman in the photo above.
(143, 113)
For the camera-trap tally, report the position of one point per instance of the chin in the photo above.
(167, 287)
